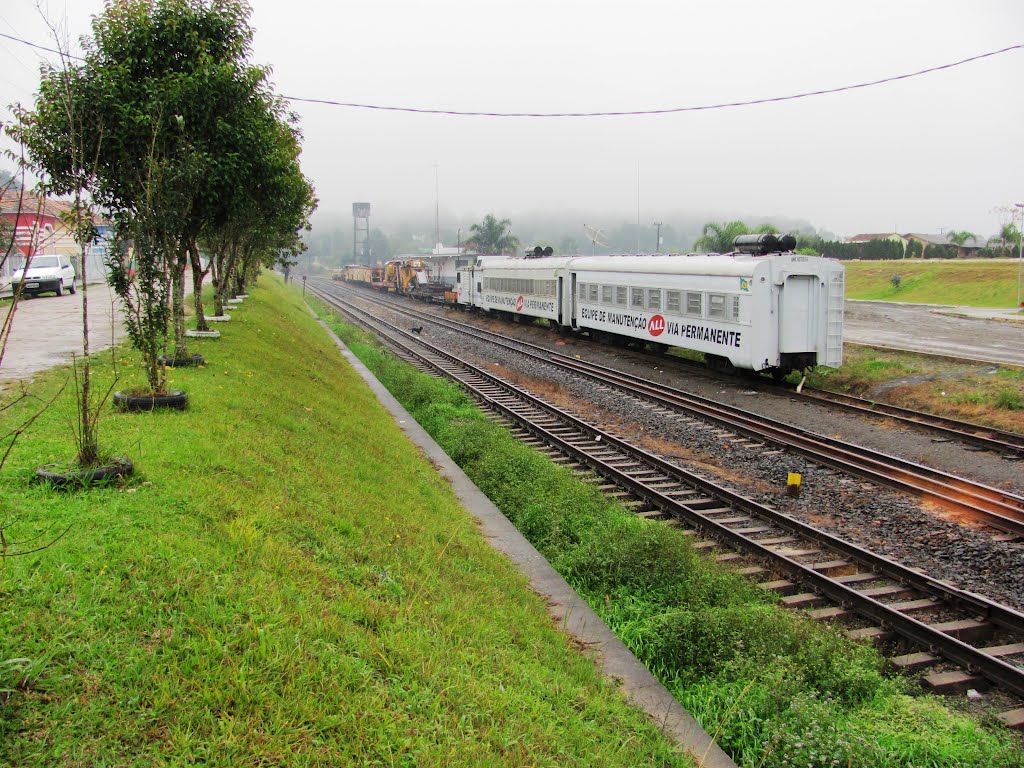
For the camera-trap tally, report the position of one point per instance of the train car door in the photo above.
(561, 281)
(572, 299)
(797, 327)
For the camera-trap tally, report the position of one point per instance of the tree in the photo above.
(78, 166)
(718, 237)
(1007, 234)
(959, 238)
(492, 236)
(168, 86)
(271, 209)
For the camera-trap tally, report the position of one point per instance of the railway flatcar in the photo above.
(768, 312)
(362, 273)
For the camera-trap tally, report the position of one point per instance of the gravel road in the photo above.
(985, 335)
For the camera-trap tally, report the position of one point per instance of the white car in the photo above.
(45, 274)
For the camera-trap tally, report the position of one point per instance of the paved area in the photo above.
(47, 330)
(987, 335)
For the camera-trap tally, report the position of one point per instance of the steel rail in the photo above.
(999, 509)
(1005, 675)
(989, 438)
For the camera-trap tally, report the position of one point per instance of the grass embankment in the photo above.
(983, 394)
(287, 581)
(776, 688)
(980, 283)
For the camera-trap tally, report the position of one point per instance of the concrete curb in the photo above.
(616, 661)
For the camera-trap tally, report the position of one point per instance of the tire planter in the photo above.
(182, 362)
(65, 477)
(174, 399)
(218, 318)
(194, 334)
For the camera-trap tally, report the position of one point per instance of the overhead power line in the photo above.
(622, 113)
(667, 110)
(41, 47)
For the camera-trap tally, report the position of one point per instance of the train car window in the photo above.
(620, 295)
(734, 307)
(654, 298)
(716, 305)
(694, 303)
(592, 291)
(458, 277)
(636, 298)
(583, 291)
(606, 294)
(672, 301)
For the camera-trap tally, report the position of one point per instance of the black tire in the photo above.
(71, 288)
(61, 476)
(175, 400)
(182, 362)
(59, 290)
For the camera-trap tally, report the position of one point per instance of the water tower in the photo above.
(361, 233)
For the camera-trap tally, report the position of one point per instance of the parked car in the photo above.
(45, 274)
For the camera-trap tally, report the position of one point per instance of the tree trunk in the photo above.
(88, 443)
(198, 273)
(178, 300)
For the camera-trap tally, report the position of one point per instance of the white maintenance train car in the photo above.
(756, 309)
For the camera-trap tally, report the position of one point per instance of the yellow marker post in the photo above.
(793, 485)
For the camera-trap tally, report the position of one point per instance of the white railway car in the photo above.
(773, 313)
(516, 287)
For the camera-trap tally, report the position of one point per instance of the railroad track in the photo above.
(1009, 444)
(933, 624)
(994, 507)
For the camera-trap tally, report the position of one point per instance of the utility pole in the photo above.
(657, 243)
(437, 210)
(1020, 252)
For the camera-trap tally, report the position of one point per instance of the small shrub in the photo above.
(1009, 400)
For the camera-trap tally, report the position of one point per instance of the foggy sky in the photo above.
(929, 153)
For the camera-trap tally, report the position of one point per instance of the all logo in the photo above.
(656, 326)
(519, 304)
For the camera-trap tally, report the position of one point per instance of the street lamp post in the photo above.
(657, 243)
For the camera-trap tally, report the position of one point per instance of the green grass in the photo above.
(961, 283)
(287, 581)
(972, 392)
(777, 689)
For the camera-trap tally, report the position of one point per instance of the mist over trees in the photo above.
(329, 243)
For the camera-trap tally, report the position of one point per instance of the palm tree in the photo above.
(1007, 234)
(717, 238)
(492, 236)
(959, 238)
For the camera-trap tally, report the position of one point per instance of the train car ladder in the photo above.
(834, 330)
